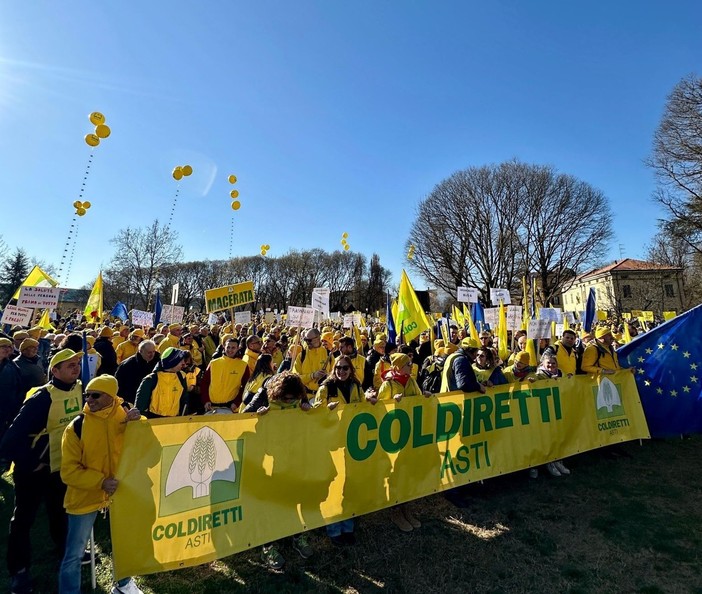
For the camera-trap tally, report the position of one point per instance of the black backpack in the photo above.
(432, 379)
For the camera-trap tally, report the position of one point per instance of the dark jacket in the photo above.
(130, 372)
(32, 372)
(463, 374)
(12, 391)
(103, 345)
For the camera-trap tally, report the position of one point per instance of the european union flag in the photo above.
(668, 364)
(120, 311)
(478, 314)
(159, 308)
(590, 310)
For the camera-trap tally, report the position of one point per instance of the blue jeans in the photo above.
(79, 526)
(338, 528)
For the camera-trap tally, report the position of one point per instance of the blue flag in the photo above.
(85, 365)
(159, 307)
(590, 311)
(478, 314)
(392, 333)
(668, 363)
(120, 311)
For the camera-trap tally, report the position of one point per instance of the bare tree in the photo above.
(140, 254)
(677, 161)
(489, 226)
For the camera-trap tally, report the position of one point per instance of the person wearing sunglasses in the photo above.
(90, 452)
(314, 363)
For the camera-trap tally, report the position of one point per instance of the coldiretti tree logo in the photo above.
(608, 400)
(203, 471)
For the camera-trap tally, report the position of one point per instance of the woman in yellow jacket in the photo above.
(398, 384)
(90, 451)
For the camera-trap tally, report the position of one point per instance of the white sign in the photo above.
(142, 318)
(552, 314)
(92, 365)
(497, 295)
(467, 295)
(174, 294)
(303, 317)
(335, 315)
(172, 314)
(39, 297)
(352, 318)
(212, 319)
(559, 329)
(16, 315)
(320, 300)
(269, 317)
(514, 317)
(492, 315)
(242, 317)
(538, 329)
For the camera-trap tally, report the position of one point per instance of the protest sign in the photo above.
(212, 319)
(242, 317)
(15, 315)
(491, 315)
(467, 295)
(302, 317)
(552, 314)
(320, 300)
(195, 489)
(352, 319)
(497, 295)
(172, 314)
(514, 317)
(39, 297)
(142, 318)
(229, 296)
(538, 329)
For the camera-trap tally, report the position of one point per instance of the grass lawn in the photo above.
(615, 525)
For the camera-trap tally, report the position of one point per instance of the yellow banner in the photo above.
(647, 316)
(229, 296)
(196, 489)
(669, 315)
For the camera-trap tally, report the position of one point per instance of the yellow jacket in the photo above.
(223, 379)
(88, 460)
(169, 341)
(125, 350)
(380, 368)
(391, 387)
(327, 394)
(308, 362)
(598, 357)
(250, 357)
(567, 362)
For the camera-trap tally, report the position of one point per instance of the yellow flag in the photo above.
(94, 308)
(410, 315)
(471, 326)
(458, 316)
(525, 304)
(45, 321)
(626, 336)
(36, 278)
(502, 346)
(669, 315)
(531, 349)
(566, 324)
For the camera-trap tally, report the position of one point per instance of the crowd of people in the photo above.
(64, 439)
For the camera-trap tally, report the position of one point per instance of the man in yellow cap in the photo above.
(163, 393)
(600, 356)
(33, 443)
(458, 369)
(90, 452)
(172, 340)
(129, 347)
(120, 337)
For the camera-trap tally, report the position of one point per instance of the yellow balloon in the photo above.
(236, 205)
(80, 212)
(232, 179)
(343, 242)
(92, 140)
(347, 247)
(102, 131)
(77, 204)
(263, 252)
(234, 193)
(187, 170)
(345, 235)
(96, 118)
(86, 205)
(177, 174)
(268, 247)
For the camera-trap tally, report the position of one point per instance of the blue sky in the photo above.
(334, 116)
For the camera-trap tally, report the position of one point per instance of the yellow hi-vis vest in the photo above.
(64, 407)
(165, 399)
(225, 379)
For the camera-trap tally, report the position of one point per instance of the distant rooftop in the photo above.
(627, 264)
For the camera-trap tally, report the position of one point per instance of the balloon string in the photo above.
(73, 251)
(173, 206)
(74, 226)
(231, 237)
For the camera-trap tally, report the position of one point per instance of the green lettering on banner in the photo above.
(419, 439)
(521, 396)
(482, 410)
(385, 432)
(442, 431)
(352, 436)
(447, 464)
(542, 394)
(501, 410)
(463, 459)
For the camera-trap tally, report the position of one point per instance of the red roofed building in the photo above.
(627, 285)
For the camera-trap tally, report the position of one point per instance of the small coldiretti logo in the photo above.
(608, 400)
(71, 405)
(203, 471)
